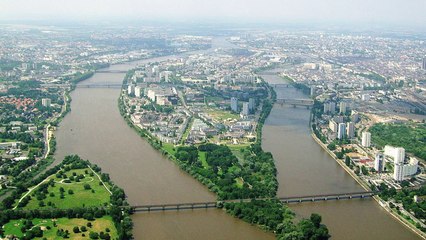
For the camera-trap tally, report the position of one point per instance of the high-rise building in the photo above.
(130, 89)
(350, 130)
(366, 139)
(354, 116)
(234, 104)
(399, 155)
(245, 111)
(379, 163)
(343, 107)
(332, 125)
(312, 91)
(46, 102)
(252, 104)
(332, 107)
(424, 63)
(398, 172)
(341, 131)
(138, 91)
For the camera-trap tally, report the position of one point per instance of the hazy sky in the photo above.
(405, 12)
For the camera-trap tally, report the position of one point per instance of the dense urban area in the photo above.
(204, 109)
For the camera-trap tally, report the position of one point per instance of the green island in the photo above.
(239, 172)
(71, 200)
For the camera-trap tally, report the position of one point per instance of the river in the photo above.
(95, 130)
(304, 168)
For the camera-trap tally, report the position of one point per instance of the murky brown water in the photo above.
(304, 168)
(95, 130)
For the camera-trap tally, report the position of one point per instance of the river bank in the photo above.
(364, 185)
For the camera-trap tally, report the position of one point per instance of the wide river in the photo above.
(95, 130)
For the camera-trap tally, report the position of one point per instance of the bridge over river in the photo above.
(101, 85)
(296, 199)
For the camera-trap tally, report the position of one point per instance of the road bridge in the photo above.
(111, 71)
(287, 200)
(308, 103)
(100, 85)
(280, 85)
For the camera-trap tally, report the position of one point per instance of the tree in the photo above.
(348, 161)
(87, 186)
(94, 235)
(76, 229)
(316, 219)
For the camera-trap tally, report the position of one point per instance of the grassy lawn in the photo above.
(187, 130)
(98, 225)
(219, 115)
(202, 158)
(236, 150)
(97, 195)
(169, 148)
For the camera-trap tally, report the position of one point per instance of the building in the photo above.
(339, 119)
(366, 139)
(245, 111)
(354, 116)
(411, 168)
(130, 89)
(397, 153)
(312, 91)
(343, 107)
(252, 104)
(341, 132)
(330, 107)
(332, 125)
(379, 163)
(350, 130)
(398, 172)
(138, 91)
(234, 104)
(365, 97)
(424, 63)
(46, 102)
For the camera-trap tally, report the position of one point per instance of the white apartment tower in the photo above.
(366, 139)
(341, 131)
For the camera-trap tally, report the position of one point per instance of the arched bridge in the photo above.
(288, 200)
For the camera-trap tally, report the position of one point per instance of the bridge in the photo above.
(287, 200)
(111, 71)
(280, 85)
(296, 102)
(100, 85)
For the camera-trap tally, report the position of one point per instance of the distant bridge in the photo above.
(111, 71)
(296, 102)
(297, 199)
(280, 85)
(100, 85)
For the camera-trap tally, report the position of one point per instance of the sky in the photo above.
(389, 12)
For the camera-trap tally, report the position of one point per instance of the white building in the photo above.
(398, 172)
(354, 116)
(138, 91)
(234, 104)
(332, 125)
(379, 163)
(46, 102)
(398, 154)
(366, 139)
(341, 132)
(365, 97)
(350, 130)
(411, 168)
(130, 89)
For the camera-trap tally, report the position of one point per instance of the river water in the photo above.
(95, 130)
(304, 168)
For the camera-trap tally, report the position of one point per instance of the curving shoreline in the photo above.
(365, 186)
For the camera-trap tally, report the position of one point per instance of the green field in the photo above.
(74, 192)
(220, 115)
(202, 158)
(49, 230)
(170, 148)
